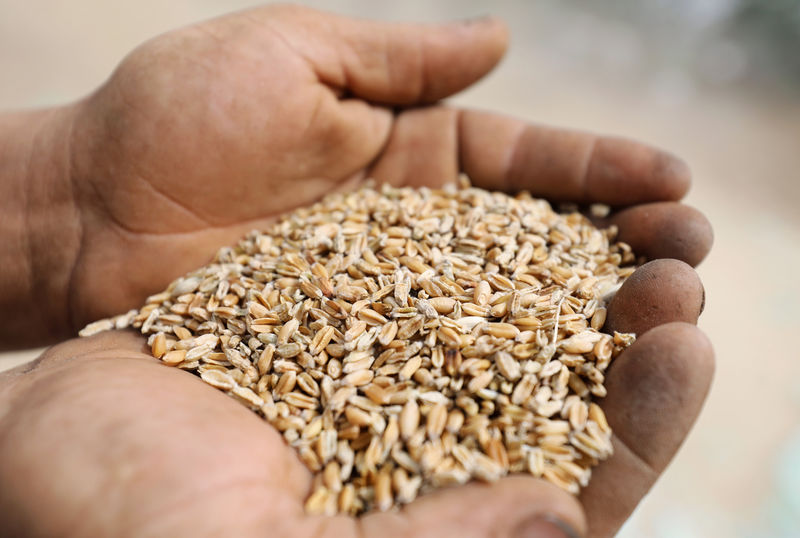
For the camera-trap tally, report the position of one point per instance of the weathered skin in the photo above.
(206, 132)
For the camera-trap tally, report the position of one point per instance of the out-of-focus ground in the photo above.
(716, 81)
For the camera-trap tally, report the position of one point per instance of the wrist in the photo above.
(40, 232)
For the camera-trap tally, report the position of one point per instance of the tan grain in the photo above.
(402, 340)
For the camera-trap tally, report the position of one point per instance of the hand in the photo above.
(275, 108)
(99, 439)
(207, 132)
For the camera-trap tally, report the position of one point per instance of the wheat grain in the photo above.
(408, 339)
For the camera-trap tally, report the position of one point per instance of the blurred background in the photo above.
(715, 81)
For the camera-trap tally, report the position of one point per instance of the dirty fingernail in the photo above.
(545, 527)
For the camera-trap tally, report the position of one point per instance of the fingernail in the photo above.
(545, 526)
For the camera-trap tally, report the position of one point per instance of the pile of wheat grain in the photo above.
(408, 339)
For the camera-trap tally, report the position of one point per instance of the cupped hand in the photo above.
(100, 439)
(207, 132)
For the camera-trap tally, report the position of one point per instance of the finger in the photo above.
(658, 292)
(512, 507)
(430, 146)
(422, 149)
(508, 154)
(665, 230)
(656, 389)
(392, 63)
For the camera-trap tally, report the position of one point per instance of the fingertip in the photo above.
(497, 34)
(658, 292)
(672, 175)
(624, 172)
(656, 389)
(665, 230)
(392, 63)
(693, 341)
(459, 53)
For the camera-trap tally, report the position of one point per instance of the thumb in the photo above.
(514, 507)
(391, 63)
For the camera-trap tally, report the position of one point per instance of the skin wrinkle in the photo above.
(72, 179)
(586, 166)
(7, 384)
(164, 194)
(455, 150)
(313, 117)
(100, 202)
(314, 76)
(124, 229)
(270, 491)
(24, 385)
(220, 43)
(386, 61)
(349, 57)
(511, 158)
(369, 169)
(647, 471)
(39, 279)
(118, 87)
(139, 174)
(26, 218)
(346, 82)
(16, 381)
(514, 156)
(20, 372)
(72, 288)
(639, 459)
(356, 175)
(422, 87)
(95, 189)
(353, 57)
(458, 122)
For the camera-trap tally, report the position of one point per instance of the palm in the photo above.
(223, 124)
(174, 454)
(206, 133)
(177, 458)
